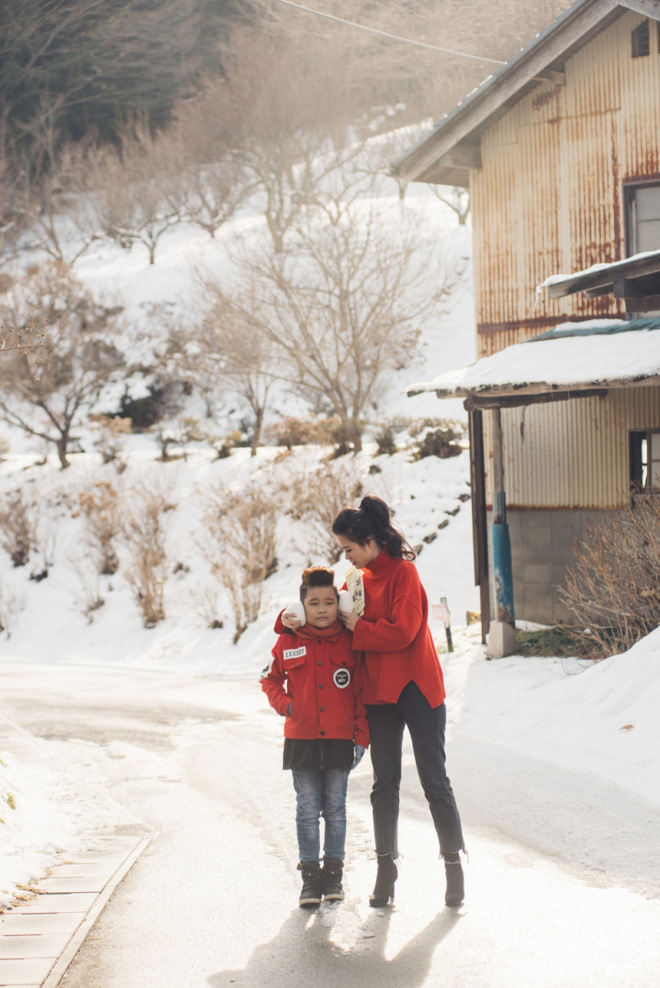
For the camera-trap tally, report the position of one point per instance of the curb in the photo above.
(115, 853)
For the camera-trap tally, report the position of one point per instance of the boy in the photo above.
(314, 681)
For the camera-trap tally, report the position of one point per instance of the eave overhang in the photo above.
(435, 158)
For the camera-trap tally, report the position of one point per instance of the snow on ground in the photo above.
(594, 717)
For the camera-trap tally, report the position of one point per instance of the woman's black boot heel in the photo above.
(383, 893)
(455, 893)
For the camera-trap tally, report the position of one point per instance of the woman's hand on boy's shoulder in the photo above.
(349, 619)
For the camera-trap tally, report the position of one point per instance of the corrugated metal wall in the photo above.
(548, 198)
(572, 454)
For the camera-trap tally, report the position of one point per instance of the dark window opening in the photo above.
(644, 460)
(641, 40)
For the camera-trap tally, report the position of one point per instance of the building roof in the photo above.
(573, 360)
(451, 149)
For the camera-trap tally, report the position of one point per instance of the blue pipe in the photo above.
(503, 573)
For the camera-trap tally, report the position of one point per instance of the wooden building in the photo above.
(561, 152)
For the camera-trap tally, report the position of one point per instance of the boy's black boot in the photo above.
(310, 894)
(455, 893)
(383, 893)
(331, 876)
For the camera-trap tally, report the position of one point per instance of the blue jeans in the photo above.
(320, 793)
(427, 732)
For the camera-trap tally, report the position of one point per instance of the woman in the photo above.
(403, 687)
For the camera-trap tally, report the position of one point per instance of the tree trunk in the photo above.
(256, 432)
(62, 444)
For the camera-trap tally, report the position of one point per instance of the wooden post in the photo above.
(502, 640)
(479, 519)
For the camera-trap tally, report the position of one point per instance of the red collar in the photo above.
(382, 564)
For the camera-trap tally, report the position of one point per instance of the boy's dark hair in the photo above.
(317, 576)
(373, 520)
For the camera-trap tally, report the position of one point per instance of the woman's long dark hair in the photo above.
(372, 520)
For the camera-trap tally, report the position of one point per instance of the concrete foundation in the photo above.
(540, 553)
(502, 640)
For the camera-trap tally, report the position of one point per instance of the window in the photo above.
(641, 40)
(645, 459)
(643, 217)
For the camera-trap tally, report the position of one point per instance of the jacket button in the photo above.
(320, 686)
(322, 709)
(319, 663)
(322, 732)
(318, 641)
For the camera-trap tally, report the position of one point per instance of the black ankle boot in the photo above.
(383, 893)
(331, 877)
(310, 894)
(455, 893)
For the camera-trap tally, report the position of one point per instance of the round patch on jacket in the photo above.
(341, 678)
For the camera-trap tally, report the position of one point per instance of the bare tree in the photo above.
(341, 308)
(55, 210)
(288, 134)
(46, 394)
(230, 354)
(208, 180)
(134, 199)
(456, 198)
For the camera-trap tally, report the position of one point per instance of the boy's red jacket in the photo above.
(322, 679)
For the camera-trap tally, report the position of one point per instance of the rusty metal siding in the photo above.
(548, 198)
(572, 454)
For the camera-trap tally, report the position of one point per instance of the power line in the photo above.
(392, 37)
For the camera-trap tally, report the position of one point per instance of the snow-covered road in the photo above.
(560, 892)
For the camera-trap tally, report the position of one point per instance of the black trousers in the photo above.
(427, 731)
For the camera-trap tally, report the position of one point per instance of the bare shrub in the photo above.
(112, 431)
(101, 510)
(87, 593)
(613, 586)
(18, 527)
(178, 434)
(385, 436)
(292, 431)
(242, 552)
(206, 603)
(145, 536)
(12, 602)
(315, 496)
(436, 437)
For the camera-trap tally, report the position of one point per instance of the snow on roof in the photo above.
(600, 275)
(594, 358)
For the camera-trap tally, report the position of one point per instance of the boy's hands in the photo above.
(359, 755)
(293, 615)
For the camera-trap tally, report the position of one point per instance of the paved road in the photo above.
(213, 901)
